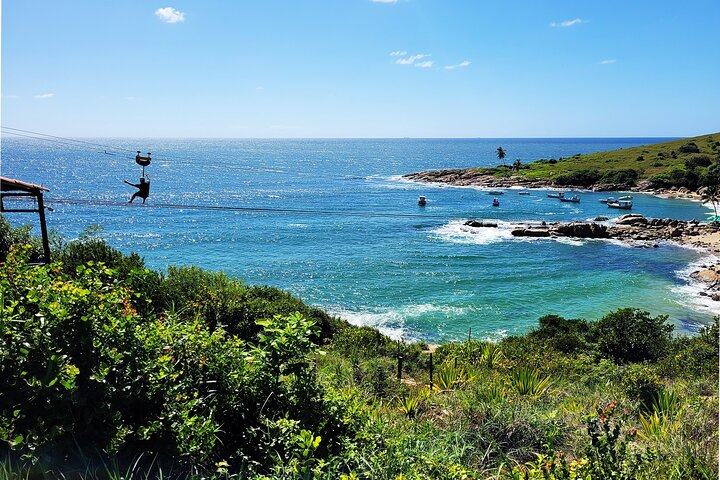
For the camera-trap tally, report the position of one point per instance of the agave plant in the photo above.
(528, 382)
(666, 403)
(450, 376)
(411, 404)
(490, 355)
(657, 426)
(494, 394)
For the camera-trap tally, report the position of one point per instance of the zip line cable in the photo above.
(178, 206)
(64, 141)
(68, 139)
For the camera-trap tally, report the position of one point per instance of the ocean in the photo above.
(414, 272)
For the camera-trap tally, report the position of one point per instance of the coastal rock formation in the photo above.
(638, 231)
(481, 223)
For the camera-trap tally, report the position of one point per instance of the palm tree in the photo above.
(712, 195)
(517, 164)
(501, 155)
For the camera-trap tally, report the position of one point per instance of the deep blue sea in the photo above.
(415, 277)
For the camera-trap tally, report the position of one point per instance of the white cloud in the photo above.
(45, 95)
(411, 59)
(398, 53)
(607, 62)
(383, 1)
(568, 23)
(170, 15)
(426, 64)
(462, 64)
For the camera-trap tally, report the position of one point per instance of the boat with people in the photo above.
(621, 204)
(496, 202)
(422, 201)
(523, 193)
(496, 192)
(573, 199)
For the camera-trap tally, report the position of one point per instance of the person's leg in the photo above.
(133, 197)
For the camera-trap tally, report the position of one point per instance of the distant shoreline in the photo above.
(469, 177)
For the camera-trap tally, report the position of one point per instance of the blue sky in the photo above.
(361, 68)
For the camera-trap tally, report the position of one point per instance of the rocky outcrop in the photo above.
(481, 223)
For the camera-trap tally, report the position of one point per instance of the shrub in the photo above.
(10, 236)
(582, 178)
(698, 161)
(641, 383)
(626, 177)
(690, 147)
(676, 177)
(630, 335)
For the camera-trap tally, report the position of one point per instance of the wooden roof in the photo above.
(11, 184)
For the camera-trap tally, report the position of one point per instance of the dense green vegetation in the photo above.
(111, 370)
(690, 163)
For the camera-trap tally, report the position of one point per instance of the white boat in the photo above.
(608, 199)
(621, 204)
(422, 201)
(573, 199)
(555, 195)
(625, 197)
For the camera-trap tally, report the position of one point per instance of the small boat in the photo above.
(608, 199)
(495, 192)
(555, 195)
(496, 202)
(422, 201)
(523, 193)
(621, 204)
(573, 199)
(625, 197)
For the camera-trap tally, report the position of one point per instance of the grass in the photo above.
(648, 160)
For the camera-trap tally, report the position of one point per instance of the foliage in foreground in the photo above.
(111, 370)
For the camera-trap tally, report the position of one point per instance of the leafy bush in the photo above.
(631, 335)
(81, 367)
(690, 147)
(641, 383)
(19, 236)
(624, 177)
(676, 177)
(698, 161)
(581, 178)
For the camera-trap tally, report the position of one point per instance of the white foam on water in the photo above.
(391, 321)
(297, 225)
(457, 232)
(688, 295)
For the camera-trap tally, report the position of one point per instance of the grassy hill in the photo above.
(689, 162)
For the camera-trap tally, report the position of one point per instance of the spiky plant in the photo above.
(526, 381)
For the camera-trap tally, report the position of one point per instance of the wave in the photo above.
(688, 294)
(392, 321)
(457, 232)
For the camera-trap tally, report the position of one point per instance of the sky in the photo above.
(361, 68)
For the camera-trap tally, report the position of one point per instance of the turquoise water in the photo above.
(425, 277)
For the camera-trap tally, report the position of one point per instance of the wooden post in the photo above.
(43, 227)
(469, 333)
(400, 365)
(431, 369)
(455, 363)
